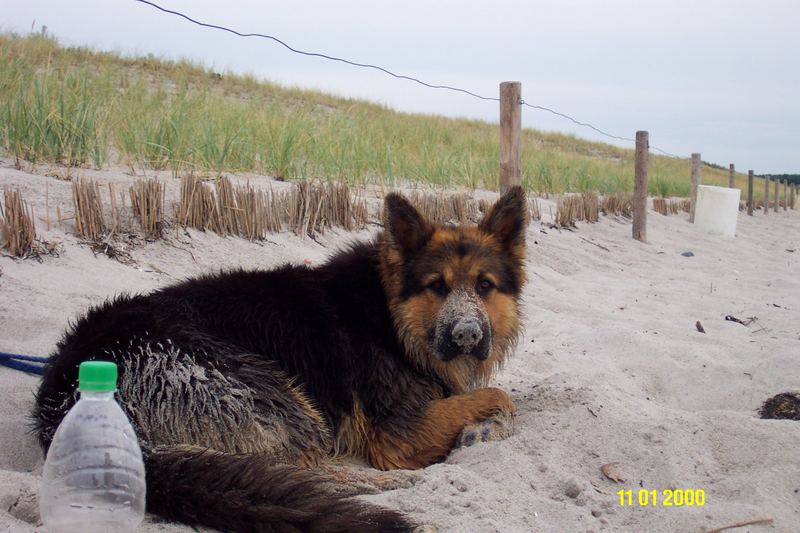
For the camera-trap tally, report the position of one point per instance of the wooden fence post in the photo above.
(785, 198)
(749, 192)
(766, 195)
(510, 126)
(695, 183)
(776, 196)
(794, 196)
(640, 187)
(732, 177)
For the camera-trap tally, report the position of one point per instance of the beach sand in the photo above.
(610, 368)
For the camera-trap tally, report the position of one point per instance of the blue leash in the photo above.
(17, 362)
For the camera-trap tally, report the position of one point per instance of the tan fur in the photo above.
(443, 421)
(312, 456)
(302, 399)
(492, 247)
(413, 317)
(503, 310)
(351, 439)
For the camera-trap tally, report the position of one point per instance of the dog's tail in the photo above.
(247, 493)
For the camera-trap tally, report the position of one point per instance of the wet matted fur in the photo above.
(239, 383)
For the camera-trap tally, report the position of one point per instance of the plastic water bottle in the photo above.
(93, 479)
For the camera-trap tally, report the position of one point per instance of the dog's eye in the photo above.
(438, 286)
(484, 286)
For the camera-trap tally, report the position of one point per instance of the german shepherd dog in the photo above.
(240, 385)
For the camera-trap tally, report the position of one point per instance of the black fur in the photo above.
(508, 218)
(234, 380)
(406, 226)
(247, 493)
(329, 328)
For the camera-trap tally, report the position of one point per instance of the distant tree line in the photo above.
(791, 178)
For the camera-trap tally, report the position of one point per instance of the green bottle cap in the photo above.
(97, 376)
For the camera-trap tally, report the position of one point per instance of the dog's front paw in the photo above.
(498, 427)
(494, 402)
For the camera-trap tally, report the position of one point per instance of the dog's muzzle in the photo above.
(462, 327)
(467, 334)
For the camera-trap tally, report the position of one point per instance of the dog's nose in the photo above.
(467, 334)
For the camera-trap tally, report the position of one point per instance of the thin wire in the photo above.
(578, 122)
(386, 71)
(316, 54)
(586, 124)
(657, 149)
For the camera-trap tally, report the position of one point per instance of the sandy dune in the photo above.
(610, 369)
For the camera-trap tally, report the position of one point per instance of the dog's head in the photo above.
(454, 291)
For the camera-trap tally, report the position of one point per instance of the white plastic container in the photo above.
(93, 479)
(717, 209)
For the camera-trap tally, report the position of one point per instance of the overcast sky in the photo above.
(720, 77)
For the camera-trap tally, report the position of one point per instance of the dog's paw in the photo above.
(498, 427)
(495, 401)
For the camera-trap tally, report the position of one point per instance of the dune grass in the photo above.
(80, 107)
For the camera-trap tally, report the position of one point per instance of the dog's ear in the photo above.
(507, 218)
(405, 227)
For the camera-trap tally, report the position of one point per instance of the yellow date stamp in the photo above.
(662, 498)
